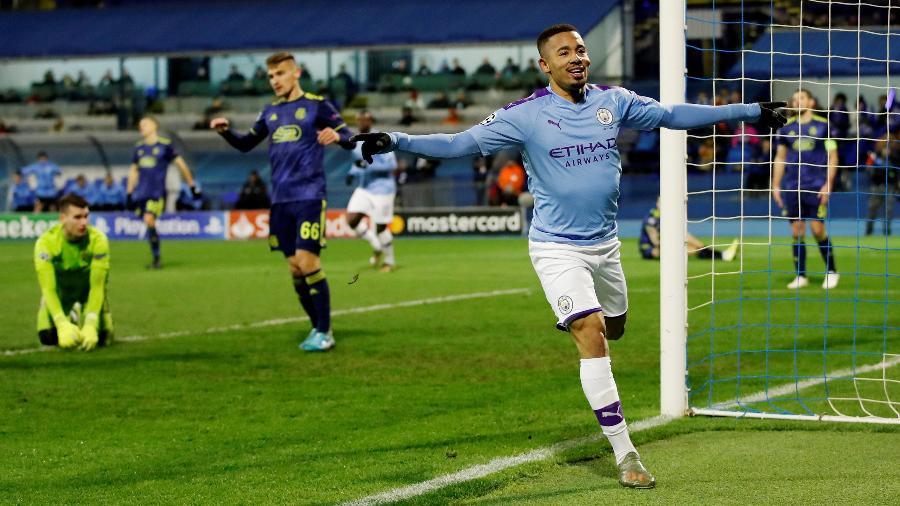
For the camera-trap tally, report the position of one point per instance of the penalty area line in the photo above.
(282, 321)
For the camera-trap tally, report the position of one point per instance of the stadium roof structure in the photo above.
(821, 52)
(203, 27)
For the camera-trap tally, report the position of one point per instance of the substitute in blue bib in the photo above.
(146, 189)
(45, 173)
(567, 134)
(802, 179)
(298, 126)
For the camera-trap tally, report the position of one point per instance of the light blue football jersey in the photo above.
(571, 157)
(378, 176)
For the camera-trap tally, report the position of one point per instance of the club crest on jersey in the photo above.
(300, 114)
(490, 119)
(565, 304)
(604, 116)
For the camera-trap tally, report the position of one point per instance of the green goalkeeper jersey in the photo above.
(70, 272)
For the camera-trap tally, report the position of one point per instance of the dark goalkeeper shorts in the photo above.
(803, 205)
(297, 225)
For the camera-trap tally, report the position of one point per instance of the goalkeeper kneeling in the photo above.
(72, 264)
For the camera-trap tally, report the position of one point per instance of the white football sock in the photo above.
(600, 389)
(366, 232)
(386, 238)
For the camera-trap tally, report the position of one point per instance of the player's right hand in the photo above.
(373, 144)
(66, 332)
(89, 337)
(776, 194)
(219, 124)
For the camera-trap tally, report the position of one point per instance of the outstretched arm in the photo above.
(687, 116)
(430, 146)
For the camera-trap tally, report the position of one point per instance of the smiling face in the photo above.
(564, 58)
(284, 77)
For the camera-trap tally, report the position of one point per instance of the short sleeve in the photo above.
(503, 128)
(639, 112)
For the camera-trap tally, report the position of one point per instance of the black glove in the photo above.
(196, 193)
(769, 117)
(129, 202)
(373, 143)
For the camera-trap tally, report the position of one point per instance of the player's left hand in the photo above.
(769, 117)
(196, 193)
(824, 194)
(373, 143)
(328, 136)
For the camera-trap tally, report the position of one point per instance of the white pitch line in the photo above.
(502, 463)
(283, 321)
(494, 466)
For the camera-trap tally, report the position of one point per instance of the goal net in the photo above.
(764, 335)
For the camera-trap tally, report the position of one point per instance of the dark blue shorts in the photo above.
(647, 251)
(803, 205)
(297, 225)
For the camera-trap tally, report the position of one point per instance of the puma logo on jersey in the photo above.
(555, 123)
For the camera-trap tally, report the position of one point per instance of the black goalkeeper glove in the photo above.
(197, 193)
(129, 202)
(373, 143)
(769, 117)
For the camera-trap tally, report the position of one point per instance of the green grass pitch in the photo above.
(190, 415)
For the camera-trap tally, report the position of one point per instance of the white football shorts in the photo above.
(580, 280)
(379, 208)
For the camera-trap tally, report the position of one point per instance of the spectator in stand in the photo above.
(461, 101)
(414, 102)
(260, 74)
(457, 69)
(215, 109)
(187, 201)
(49, 78)
(400, 67)
(304, 73)
(45, 173)
(107, 79)
(235, 75)
(110, 195)
(407, 118)
(509, 184)
(440, 101)
(350, 87)
(703, 99)
(83, 80)
(126, 80)
(22, 199)
(452, 117)
(510, 69)
(486, 68)
(532, 67)
(82, 189)
(254, 194)
(6, 129)
(424, 69)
